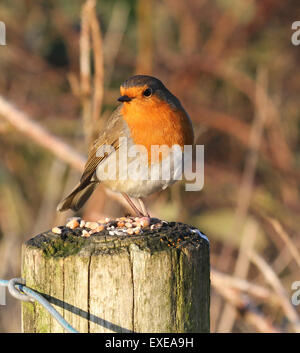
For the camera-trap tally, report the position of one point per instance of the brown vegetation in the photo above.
(233, 67)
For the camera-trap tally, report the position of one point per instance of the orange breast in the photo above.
(153, 122)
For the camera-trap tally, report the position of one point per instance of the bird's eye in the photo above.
(147, 93)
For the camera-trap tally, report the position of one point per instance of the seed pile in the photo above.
(172, 234)
(119, 226)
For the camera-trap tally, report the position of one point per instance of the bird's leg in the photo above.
(144, 208)
(133, 206)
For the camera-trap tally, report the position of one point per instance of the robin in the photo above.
(150, 115)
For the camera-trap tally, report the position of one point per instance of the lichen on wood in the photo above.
(157, 281)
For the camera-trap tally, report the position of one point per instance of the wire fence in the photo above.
(17, 288)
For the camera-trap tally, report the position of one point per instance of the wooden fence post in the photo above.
(157, 281)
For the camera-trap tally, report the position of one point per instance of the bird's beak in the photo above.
(124, 99)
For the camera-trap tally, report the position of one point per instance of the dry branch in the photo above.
(222, 279)
(22, 122)
(246, 309)
(274, 281)
(85, 71)
(92, 88)
(98, 64)
(286, 239)
(244, 198)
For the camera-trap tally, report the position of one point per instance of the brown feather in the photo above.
(78, 197)
(115, 128)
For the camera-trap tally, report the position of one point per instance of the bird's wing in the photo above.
(115, 128)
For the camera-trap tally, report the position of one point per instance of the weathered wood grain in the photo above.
(143, 283)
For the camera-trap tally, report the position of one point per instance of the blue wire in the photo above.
(44, 302)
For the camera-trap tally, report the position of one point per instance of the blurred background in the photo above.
(236, 72)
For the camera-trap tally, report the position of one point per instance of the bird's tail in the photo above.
(78, 196)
